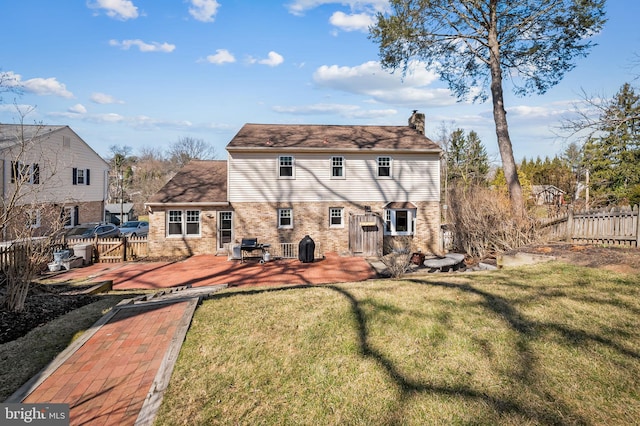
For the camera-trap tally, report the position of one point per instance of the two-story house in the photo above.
(49, 171)
(351, 188)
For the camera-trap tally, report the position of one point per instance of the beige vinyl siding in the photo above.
(253, 177)
(56, 164)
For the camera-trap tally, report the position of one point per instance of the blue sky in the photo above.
(145, 73)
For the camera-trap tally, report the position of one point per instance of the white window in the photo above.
(70, 216)
(384, 167)
(399, 221)
(81, 176)
(336, 217)
(33, 218)
(337, 168)
(285, 218)
(285, 167)
(25, 173)
(182, 223)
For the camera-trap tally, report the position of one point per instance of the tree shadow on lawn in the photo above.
(555, 411)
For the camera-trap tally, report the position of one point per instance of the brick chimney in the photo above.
(417, 121)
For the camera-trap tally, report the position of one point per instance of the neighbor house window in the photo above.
(384, 166)
(285, 218)
(81, 176)
(285, 167)
(25, 173)
(336, 215)
(337, 167)
(399, 221)
(181, 223)
(33, 218)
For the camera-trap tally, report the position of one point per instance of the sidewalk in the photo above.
(117, 372)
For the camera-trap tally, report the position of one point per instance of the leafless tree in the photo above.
(187, 148)
(29, 220)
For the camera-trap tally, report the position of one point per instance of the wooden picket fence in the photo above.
(114, 250)
(612, 226)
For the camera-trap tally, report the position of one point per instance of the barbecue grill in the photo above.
(249, 245)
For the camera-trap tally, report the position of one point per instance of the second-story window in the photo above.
(285, 167)
(81, 176)
(384, 167)
(25, 173)
(337, 167)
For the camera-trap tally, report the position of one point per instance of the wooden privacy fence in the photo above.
(615, 226)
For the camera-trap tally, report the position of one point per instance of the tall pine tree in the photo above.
(613, 157)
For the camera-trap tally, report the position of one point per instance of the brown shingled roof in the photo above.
(199, 181)
(315, 137)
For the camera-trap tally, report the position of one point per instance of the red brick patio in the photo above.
(204, 270)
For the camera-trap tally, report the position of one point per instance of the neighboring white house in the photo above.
(51, 167)
(350, 188)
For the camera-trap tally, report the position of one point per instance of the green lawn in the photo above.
(548, 344)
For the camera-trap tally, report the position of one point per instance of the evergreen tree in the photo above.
(613, 157)
(467, 159)
(475, 45)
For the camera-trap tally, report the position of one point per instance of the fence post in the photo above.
(569, 232)
(636, 208)
(124, 248)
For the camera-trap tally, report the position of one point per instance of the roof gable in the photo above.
(200, 181)
(331, 138)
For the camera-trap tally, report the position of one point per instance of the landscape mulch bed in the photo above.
(44, 303)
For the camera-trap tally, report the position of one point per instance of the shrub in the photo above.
(483, 222)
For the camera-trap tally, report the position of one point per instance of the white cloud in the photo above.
(37, 86)
(349, 111)
(222, 56)
(353, 22)
(104, 99)
(204, 10)
(77, 109)
(143, 46)
(119, 9)
(299, 7)
(273, 59)
(370, 79)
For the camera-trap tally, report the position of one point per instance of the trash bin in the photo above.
(85, 251)
(306, 250)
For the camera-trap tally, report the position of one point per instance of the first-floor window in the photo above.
(285, 218)
(33, 218)
(400, 221)
(335, 217)
(183, 223)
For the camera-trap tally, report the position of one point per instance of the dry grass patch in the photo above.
(550, 344)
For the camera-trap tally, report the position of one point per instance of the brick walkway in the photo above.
(116, 373)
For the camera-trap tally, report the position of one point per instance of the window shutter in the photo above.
(14, 171)
(75, 176)
(76, 215)
(36, 174)
(87, 177)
